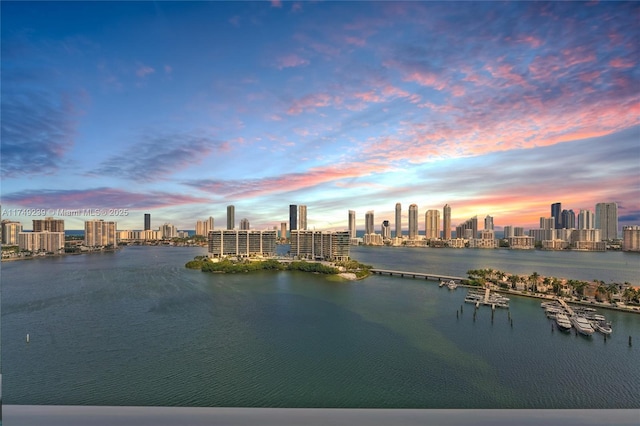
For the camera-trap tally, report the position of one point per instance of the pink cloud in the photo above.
(356, 41)
(291, 61)
(144, 70)
(621, 63)
(276, 3)
(239, 189)
(310, 102)
(427, 79)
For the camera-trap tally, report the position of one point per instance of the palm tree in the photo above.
(513, 279)
(533, 280)
(601, 289)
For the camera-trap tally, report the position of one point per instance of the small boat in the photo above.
(562, 320)
(452, 285)
(442, 284)
(602, 326)
(582, 325)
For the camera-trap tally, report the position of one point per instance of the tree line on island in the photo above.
(535, 283)
(246, 265)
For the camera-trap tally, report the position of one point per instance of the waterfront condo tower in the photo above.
(293, 217)
(446, 222)
(607, 220)
(147, 221)
(413, 221)
(231, 217)
(556, 211)
(352, 224)
(432, 224)
(368, 223)
(398, 220)
(302, 217)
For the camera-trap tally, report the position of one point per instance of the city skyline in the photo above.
(342, 106)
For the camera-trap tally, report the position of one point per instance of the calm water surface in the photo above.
(136, 328)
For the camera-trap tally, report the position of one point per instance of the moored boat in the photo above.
(452, 285)
(562, 320)
(602, 326)
(582, 325)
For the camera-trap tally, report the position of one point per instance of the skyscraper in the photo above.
(607, 220)
(446, 219)
(568, 219)
(244, 224)
(48, 224)
(488, 223)
(147, 221)
(386, 230)
(231, 217)
(293, 217)
(368, 223)
(98, 233)
(556, 211)
(208, 225)
(283, 230)
(413, 221)
(352, 224)
(586, 219)
(432, 224)
(398, 220)
(302, 217)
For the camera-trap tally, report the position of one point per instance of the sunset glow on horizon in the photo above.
(180, 109)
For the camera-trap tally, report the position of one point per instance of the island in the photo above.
(349, 269)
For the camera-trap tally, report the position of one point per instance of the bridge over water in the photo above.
(408, 274)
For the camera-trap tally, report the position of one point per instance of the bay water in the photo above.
(134, 327)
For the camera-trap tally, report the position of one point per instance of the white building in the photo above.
(10, 231)
(45, 241)
(242, 243)
(98, 233)
(320, 245)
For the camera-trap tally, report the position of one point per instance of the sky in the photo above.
(180, 109)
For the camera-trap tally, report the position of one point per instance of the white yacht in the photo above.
(602, 326)
(582, 325)
(563, 321)
(452, 285)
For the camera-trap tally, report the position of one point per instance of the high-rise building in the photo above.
(368, 223)
(147, 221)
(98, 233)
(233, 242)
(231, 217)
(293, 217)
(320, 245)
(631, 238)
(398, 220)
(42, 241)
(48, 224)
(469, 229)
(432, 224)
(413, 221)
(518, 231)
(352, 224)
(244, 224)
(556, 211)
(547, 223)
(446, 222)
(200, 228)
(168, 231)
(385, 229)
(488, 223)
(208, 225)
(568, 219)
(283, 230)
(607, 220)
(508, 232)
(586, 219)
(302, 217)
(10, 231)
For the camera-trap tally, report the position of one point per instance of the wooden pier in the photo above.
(407, 274)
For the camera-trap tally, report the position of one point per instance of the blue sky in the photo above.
(180, 109)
